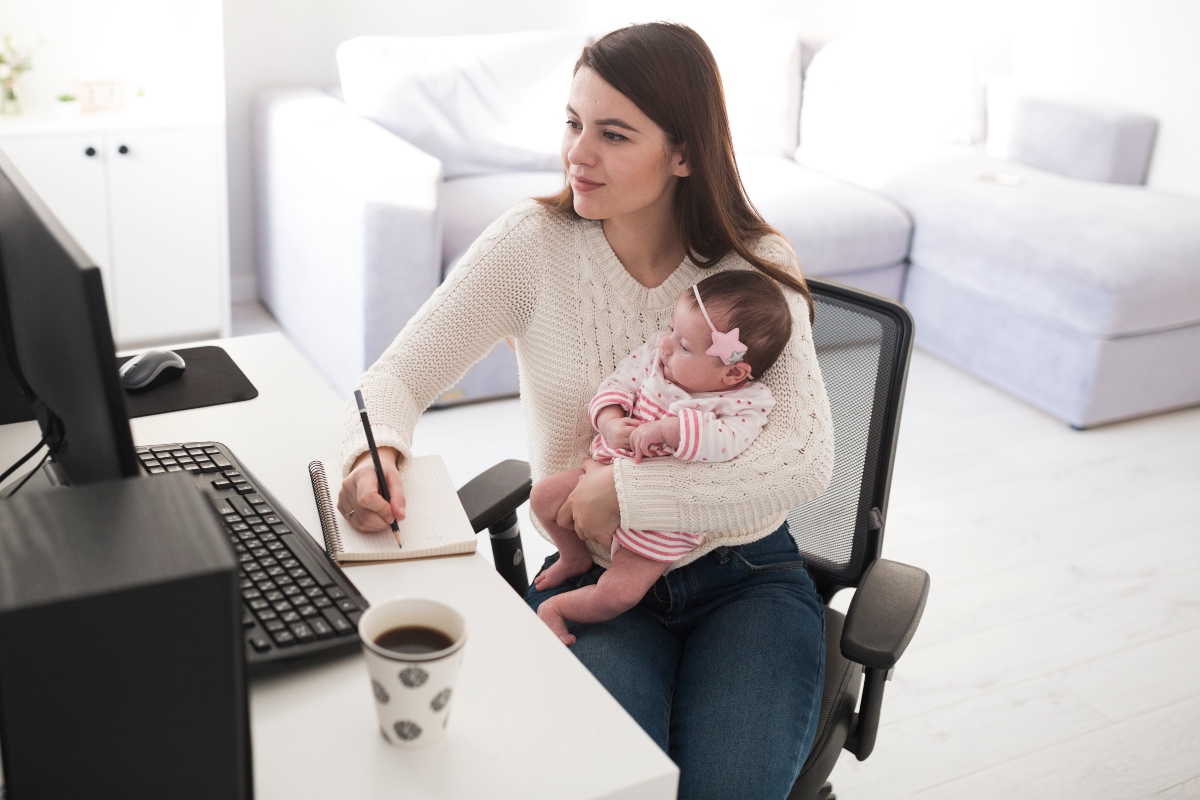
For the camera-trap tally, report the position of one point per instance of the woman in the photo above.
(722, 663)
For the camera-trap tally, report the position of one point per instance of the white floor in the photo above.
(1059, 655)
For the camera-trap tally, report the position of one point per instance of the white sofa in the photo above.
(366, 203)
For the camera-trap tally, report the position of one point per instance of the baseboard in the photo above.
(243, 289)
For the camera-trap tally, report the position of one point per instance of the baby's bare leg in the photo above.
(619, 589)
(545, 500)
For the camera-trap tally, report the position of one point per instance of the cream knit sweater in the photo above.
(554, 284)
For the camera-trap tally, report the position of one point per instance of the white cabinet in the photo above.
(147, 205)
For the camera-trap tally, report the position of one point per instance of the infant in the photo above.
(688, 392)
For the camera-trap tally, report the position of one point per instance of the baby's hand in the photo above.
(617, 431)
(645, 437)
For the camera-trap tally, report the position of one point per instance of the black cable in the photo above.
(23, 459)
(28, 475)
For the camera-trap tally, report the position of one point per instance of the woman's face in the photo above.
(618, 161)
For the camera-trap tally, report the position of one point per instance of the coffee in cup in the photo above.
(413, 649)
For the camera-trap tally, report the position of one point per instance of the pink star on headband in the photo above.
(725, 346)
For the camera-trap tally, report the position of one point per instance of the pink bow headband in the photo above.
(725, 346)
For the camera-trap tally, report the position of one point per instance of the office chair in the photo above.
(863, 344)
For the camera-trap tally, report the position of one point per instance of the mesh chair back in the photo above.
(863, 344)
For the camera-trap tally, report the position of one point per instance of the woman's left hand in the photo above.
(592, 509)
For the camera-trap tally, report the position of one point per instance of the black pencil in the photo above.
(383, 489)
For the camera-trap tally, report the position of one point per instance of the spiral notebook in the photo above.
(435, 523)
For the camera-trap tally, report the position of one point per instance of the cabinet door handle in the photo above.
(123, 149)
(91, 151)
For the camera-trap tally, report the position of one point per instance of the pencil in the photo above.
(383, 489)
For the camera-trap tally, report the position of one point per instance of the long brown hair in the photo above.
(667, 71)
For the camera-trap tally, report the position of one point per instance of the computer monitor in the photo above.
(57, 340)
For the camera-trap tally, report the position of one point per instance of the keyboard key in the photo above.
(145, 455)
(254, 519)
(238, 527)
(321, 628)
(256, 500)
(307, 559)
(245, 558)
(162, 448)
(271, 519)
(258, 603)
(166, 460)
(274, 545)
(288, 563)
(244, 488)
(221, 484)
(174, 468)
(273, 596)
(275, 572)
(206, 465)
(191, 468)
(302, 632)
(298, 572)
(281, 606)
(235, 479)
(354, 618)
(306, 583)
(212, 451)
(232, 516)
(261, 552)
(281, 529)
(322, 602)
(259, 642)
(223, 508)
(245, 583)
(274, 625)
(289, 617)
(292, 591)
(257, 576)
(266, 584)
(347, 605)
(241, 506)
(307, 611)
(194, 451)
(267, 614)
(221, 461)
(339, 623)
(335, 592)
(284, 580)
(156, 470)
(283, 638)
(251, 593)
(247, 619)
(314, 591)
(267, 561)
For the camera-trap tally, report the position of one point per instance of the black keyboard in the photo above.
(295, 601)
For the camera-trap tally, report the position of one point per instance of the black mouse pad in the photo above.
(211, 378)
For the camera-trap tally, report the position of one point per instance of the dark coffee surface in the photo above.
(413, 639)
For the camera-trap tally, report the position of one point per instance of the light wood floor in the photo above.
(1059, 655)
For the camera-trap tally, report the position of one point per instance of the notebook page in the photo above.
(435, 523)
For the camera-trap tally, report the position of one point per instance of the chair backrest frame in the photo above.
(874, 483)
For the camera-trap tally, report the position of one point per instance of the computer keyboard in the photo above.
(295, 601)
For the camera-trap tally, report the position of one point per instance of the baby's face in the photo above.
(684, 361)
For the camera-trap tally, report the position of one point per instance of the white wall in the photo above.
(169, 48)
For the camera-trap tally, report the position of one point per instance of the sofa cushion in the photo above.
(874, 106)
(1106, 260)
(490, 103)
(834, 227)
(469, 205)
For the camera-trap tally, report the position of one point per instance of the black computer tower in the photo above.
(121, 664)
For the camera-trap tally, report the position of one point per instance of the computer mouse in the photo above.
(151, 369)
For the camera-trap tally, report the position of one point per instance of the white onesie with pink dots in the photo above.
(713, 426)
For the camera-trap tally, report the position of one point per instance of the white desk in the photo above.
(528, 720)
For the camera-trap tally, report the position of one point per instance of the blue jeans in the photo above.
(722, 663)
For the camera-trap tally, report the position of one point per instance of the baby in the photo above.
(688, 392)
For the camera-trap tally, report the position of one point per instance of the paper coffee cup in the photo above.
(413, 691)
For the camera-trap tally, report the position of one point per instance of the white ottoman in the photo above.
(1082, 298)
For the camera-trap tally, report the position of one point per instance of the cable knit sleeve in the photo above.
(789, 463)
(489, 295)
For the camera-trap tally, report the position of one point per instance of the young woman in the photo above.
(722, 662)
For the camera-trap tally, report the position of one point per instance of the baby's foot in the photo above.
(567, 566)
(550, 615)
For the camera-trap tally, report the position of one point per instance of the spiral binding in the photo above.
(325, 509)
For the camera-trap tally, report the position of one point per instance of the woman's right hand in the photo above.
(359, 499)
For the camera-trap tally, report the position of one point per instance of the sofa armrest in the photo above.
(349, 229)
(1081, 140)
(884, 613)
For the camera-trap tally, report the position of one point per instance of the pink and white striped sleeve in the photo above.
(705, 436)
(621, 388)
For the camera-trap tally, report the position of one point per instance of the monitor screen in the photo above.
(56, 336)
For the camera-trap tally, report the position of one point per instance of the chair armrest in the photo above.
(1082, 140)
(349, 232)
(884, 613)
(490, 497)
